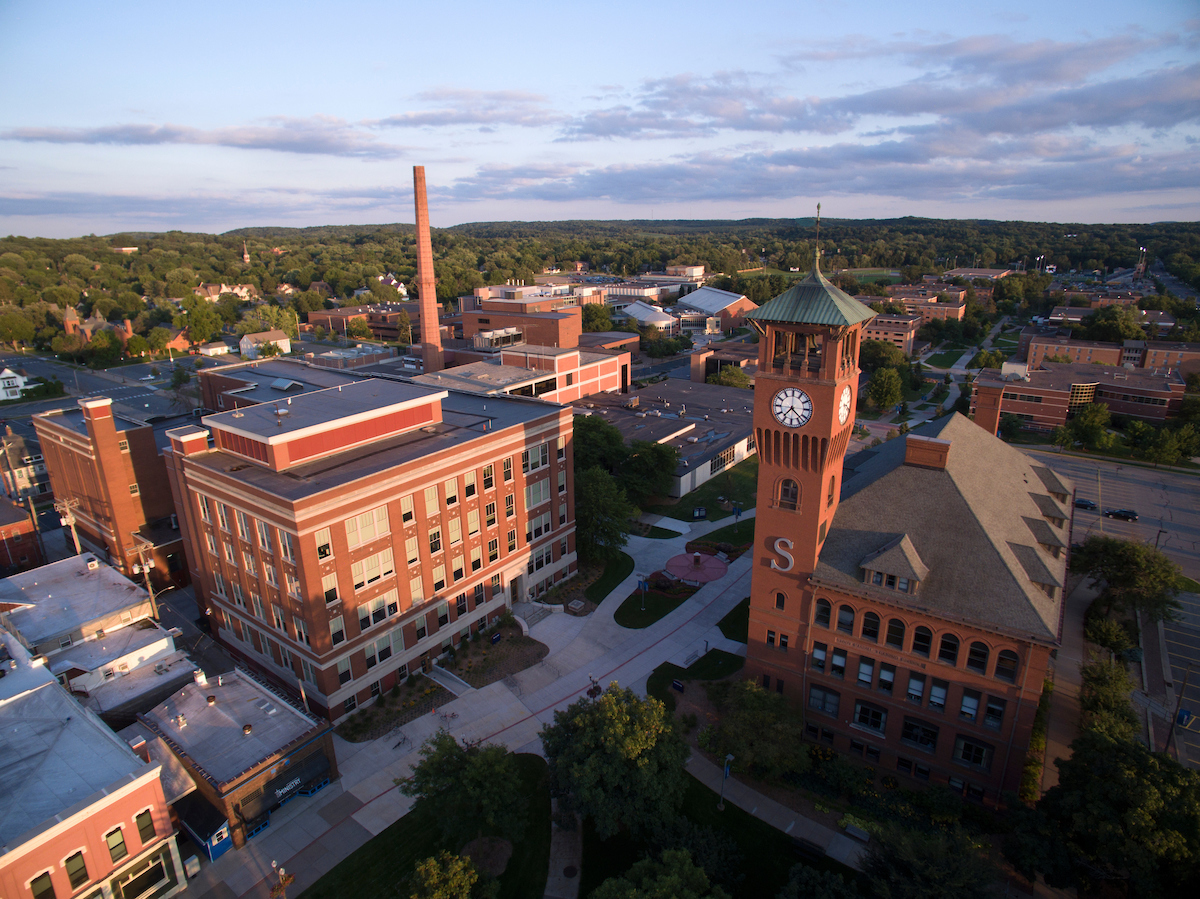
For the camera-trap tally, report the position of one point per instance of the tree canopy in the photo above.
(620, 758)
(1136, 576)
(884, 389)
(602, 513)
(674, 877)
(944, 864)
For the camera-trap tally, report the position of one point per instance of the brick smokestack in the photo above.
(431, 335)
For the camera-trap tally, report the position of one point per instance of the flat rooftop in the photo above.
(91, 655)
(55, 755)
(279, 378)
(64, 596)
(145, 682)
(1061, 376)
(213, 734)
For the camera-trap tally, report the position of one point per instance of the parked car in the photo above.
(1086, 504)
(1123, 514)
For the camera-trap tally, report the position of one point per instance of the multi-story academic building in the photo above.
(344, 538)
(910, 598)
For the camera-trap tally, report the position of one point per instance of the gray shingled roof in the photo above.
(813, 301)
(900, 558)
(967, 523)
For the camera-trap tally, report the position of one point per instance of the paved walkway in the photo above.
(1062, 726)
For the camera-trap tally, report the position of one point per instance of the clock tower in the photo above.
(804, 399)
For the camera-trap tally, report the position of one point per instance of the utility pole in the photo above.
(66, 511)
(143, 567)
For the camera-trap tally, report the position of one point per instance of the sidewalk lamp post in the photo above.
(724, 777)
(737, 514)
(641, 579)
(279, 889)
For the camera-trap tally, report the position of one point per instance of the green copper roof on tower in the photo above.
(813, 301)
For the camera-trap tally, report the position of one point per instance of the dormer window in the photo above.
(891, 581)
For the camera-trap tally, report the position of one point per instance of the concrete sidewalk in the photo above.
(1062, 726)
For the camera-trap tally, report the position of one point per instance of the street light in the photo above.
(279, 890)
(721, 801)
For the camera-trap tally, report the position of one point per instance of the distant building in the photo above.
(554, 374)
(12, 383)
(19, 546)
(1039, 344)
(384, 319)
(645, 314)
(352, 357)
(23, 467)
(251, 345)
(898, 330)
(971, 274)
(727, 307)
(80, 812)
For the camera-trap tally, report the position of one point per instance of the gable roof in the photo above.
(969, 523)
(898, 557)
(710, 299)
(813, 301)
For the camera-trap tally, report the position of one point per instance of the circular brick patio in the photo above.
(685, 568)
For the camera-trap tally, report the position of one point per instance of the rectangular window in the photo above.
(122, 445)
(372, 568)
(969, 710)
(205, 509)
(469, 484)
(819, 654)
(783, 642)
(248, 562)
(562, 448)
(508, 470)
(416, 589)
(454, 529)
(42, 887)
(916, 687)
(922, 641)
(512, 541)
(969, 752)
(770, 638)
(457, 568)
(218, 584)
(443, 613)
(406, 508)
(472, 522)
(257, 604)
(535, 457)
(439, 578)
(993, 716)
(866, 672)
(937, 695)
(243, 525)
(431, 502)
(229, 556)
(343, 672)
(411, 554)
(562, 513)
(301, 630)
(476, 558)
(918, 733)
(489, 477)
(895, 634)
(823, 700)
(510, 506)
(237, 594)
(870, 716)
(329, 587)
(562, 481)
(264, 536)
(270, 575)
(145, 826)
(324, 544)
(77, 868)
(116, 844)
(493, 550)
(222, 517)
(451, 492)
(490, 513)
(212, 543)
(277, 615)
(435, 540)
(838, 667)
(337, 630)
(367, 526)
(293, 585)
(887, 678)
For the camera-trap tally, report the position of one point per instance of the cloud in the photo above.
(318, 135)
(487, 109)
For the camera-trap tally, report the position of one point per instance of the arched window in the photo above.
(870, 629)
(845, 619)
(829, 498)
(824, 611)
(922, 641)
(1006, 666)
(977, 658)
(895, 633)
(789, 494)
(780, 600)
(948, 650)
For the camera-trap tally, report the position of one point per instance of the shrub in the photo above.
(1107, 633)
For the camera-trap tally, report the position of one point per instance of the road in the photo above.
(125, 385)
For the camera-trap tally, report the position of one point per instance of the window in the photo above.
(460, 605)
(257, 604)
(829, 494)
(770, 638)
(122, 445)
(439, 577)
(145, 826)
(537, 493)
(845, 622)
(887, 678)
(902, 584)
(229, 556)
(823, 700)
(134, 490)
(562, 513)
(469, 484)
(406, 509)
(269, 574)
(443, 613)
(1006, 666)
(473, 522)
(222, 517)
(218, 584)
(293, 585)
(562, 447)
(922, 641)
(212, 543)
(819, 653)
(507, 470)
(243, 525)
(116, 844)
(534, 458)
(77, 868)
(476, 558)
(969, 752)
(451, 492)
(329, 587)
(324, 546)
(301, 630)
(916, 687)
(489, 477)
(372, 568)
(350, 704)
(780, 601)
(343, 672)
(248, 563)
(368, 526)
(870, 716)
(431, 502)
(870, 627)
(562, 481)
(919, 734)
(205, 509)
(337, 630)
(411, 553)
(993, 716)
(766, 682)
(264, 536)
(789, 494)
(895, 633)
(509, 506)
(277, 617)
(824, 611)
(969, 710)
(489, 512)
(783, 642)
(866, 672)
(42, 887)
(937, 695)
(512, 541)
(237, 594)
(454, 530)
(948, 650)
(457, 568)
(493, 550)
(416, 589)
(977, 658)
(838, 667)
(435, 540)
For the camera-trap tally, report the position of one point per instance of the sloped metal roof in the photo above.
(813, 301)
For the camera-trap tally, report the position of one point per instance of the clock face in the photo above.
(792, 407)
(844, 405)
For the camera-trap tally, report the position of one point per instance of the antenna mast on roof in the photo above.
(817, 252)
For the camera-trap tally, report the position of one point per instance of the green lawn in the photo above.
(738, 484)
(767, 853)
(657, 605)
(655, 533)
(714, 665)
(945, 359)
(737, 533)
(736, 625)
(379, 865)
(1187, 585)
(614, 572)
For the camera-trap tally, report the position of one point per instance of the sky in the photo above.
(149, 116)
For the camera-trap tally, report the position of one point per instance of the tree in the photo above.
(647, 470)
(595, 442)
(358, 328)
(1010, 426)
(471, 791)
(730, 376)
(876, 354)
(1114, 324)
(201, 321)
(621, 758)
(1136, 576)
(158, 338)
(269, 349)
(988, 359)
(944, 864)
(16, 328)
(760, 730)
(137, 345)
(444, 876)
(809, 883)
(597, 317)
(675, 877)
(403, 327)
(602, 513)
(1120, 814)
(1090, 427)
(884, 388)
(1062, 437)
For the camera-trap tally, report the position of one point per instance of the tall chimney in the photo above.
(431, 335)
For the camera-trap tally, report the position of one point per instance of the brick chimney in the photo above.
(926, 452)
(140, 749)
(431, 335)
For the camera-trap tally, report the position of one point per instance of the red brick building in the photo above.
(898, 330)
(19, 546)
(110, 466)
(1038, 345)
(910, 598)
(344, 538)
